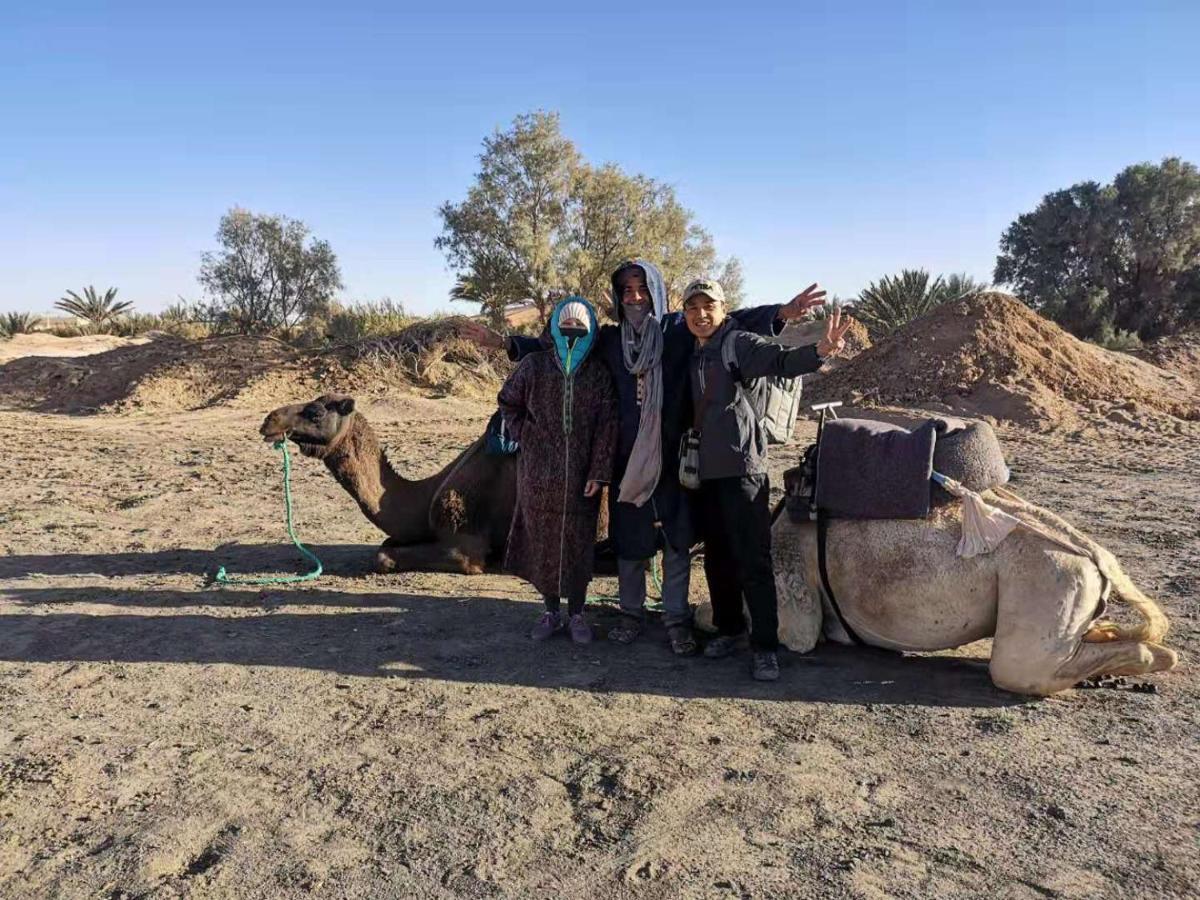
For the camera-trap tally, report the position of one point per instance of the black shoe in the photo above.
(725, 644)
(765, 666)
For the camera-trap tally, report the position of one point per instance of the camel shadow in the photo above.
(481, 640)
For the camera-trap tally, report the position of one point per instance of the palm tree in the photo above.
(99, 311)
(18, 323)
(894, 300)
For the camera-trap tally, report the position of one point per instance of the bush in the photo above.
(893, 301)
(18, 323)
(100, 311)
(1111, 338)
(361, 321)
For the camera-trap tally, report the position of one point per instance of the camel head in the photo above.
(315, 427)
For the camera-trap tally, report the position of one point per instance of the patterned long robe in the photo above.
(563, 447)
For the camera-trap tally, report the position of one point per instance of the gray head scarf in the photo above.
(641, 347)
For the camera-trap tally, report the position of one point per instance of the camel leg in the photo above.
(1045, 605)
(1118, 658)
(463, 556)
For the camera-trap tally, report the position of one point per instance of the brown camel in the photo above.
(454, 521)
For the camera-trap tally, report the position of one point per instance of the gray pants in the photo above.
(676, 578)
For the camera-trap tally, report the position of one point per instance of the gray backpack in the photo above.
(774, 399)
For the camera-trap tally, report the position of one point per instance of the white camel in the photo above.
(900, 585)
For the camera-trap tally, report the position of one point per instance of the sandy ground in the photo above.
(365, 736)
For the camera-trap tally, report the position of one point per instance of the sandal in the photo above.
(627, 632)
(683, 641)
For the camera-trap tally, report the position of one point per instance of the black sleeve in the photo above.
(757, 358)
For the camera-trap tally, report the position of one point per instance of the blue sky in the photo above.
(817, 141)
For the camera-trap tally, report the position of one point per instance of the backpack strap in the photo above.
(729, 358)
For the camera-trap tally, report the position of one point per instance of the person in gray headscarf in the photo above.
(647, 352)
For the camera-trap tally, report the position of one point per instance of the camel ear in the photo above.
(344, 406)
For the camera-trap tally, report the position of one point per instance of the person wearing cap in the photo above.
(560, 405)
(647, 352)
(732, 504)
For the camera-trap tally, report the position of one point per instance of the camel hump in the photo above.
(461, 500)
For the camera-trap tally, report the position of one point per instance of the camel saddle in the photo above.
(866, 469)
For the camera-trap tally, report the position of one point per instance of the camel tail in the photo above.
(1154, 624)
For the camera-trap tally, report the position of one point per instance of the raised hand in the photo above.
(480, 334)
(809, 298)
(834, 340)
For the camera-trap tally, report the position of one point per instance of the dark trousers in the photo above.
(574, 604)
(734, 519)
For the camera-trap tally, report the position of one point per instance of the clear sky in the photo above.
(818, 141)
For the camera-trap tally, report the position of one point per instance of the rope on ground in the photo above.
(223, 578)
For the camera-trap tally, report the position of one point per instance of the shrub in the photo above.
(361, 321)
(100, 311)
(885, 305)
(18, 323)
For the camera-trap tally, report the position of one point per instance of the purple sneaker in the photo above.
(547, 626)
(581, 631)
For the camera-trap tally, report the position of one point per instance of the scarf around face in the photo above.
(641, 350)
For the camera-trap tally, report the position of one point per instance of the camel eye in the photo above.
(312, 413)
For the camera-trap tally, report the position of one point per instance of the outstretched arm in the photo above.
(517, 346)
(772, 319)
(756, 357)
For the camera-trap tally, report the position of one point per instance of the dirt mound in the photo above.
(165, 373)
(990, 355)
(43, 343)
(1177, 353)
(174, 374)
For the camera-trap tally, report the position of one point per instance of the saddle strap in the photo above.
(822, 538)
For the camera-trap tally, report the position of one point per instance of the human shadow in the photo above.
(463, 639)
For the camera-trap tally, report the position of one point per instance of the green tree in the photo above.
(502, 236)
(1106, 259)
(269, 274)
(100, 311)
(539, 222)
(886, 304)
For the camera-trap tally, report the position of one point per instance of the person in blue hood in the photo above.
(560, 406)
(647, 352)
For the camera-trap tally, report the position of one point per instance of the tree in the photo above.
(733, 282)
(885, 305)
(540, 222)
(502, 235)
(269, 275)
(100, 311)
(1104, 259)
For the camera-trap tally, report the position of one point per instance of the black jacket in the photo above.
(732, 442)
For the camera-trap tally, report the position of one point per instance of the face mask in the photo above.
(573, 334)
(636, 314)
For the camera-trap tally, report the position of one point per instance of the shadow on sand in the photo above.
(380, 634)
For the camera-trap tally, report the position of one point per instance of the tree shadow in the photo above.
(476, 640)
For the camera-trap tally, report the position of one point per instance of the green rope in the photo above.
(223, 578)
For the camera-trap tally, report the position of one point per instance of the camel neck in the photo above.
(398, 506)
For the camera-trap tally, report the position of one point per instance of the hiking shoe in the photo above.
(683, 641)
(580, 630)
(627, 632)
(547, 626)
(765, 666)
(725, 644)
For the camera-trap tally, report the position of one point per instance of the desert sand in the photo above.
(371, 736)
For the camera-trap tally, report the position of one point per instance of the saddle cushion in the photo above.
(875, 470)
